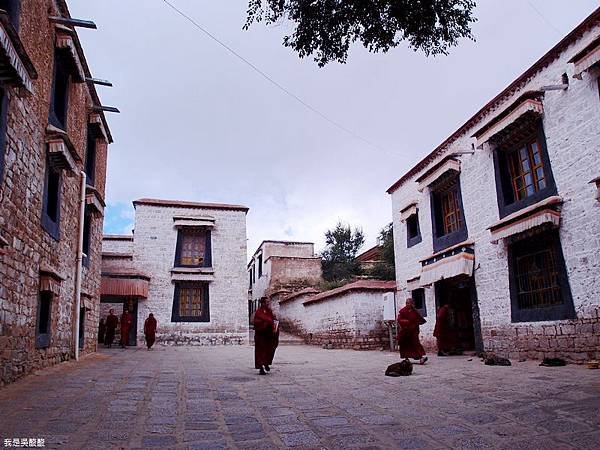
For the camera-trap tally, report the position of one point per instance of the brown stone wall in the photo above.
(574, 340)
(30, 247)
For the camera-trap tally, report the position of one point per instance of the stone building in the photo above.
(53, 147)
(502, 220)
(185, 264)
(281, 267)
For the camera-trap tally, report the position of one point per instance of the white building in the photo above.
(502, 220)
(185, 263)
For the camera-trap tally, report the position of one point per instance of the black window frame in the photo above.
(442, 241)
(564, 311)
(87, 236)
(3, 128)
(504, 191)
(260, 265)
(207, 248)
(50, 225)
(91, 156)
(415, 239)
(419, 293)
(62, 74)
(205, 317)
(13, 9)
(43, 337)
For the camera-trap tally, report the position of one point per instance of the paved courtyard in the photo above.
(211, 398)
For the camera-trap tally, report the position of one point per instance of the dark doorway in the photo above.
(131, 304)
(459, 293)
(81, 327)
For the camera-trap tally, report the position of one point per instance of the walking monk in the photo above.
(409, 320)
(150, 330)
(126, 322)
(111, 325)
(266, 336)
(443, 331)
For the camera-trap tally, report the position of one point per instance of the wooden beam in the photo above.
(106, 109)
(99, 81)
(73, 22)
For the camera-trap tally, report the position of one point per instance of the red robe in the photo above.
(111, 325)
(126, 322)
(409, 320)
(443, 330)
(150, 331)
(266, 338)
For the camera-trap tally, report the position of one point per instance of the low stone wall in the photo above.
(200, 339)
(574, 340)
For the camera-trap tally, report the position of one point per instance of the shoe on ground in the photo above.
(267, 368)
(262, 371)
(423, 360)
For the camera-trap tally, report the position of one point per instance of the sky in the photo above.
(198, 124)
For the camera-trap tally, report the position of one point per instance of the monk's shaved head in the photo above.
(410, 302)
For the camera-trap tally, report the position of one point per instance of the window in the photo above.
(193, 248)
(60, 91)
(51, 203)
(418, 295)
(523, 175)
(250, 278)
(90, 157)
(13, 8)
(190, 303)
(87, 225)
(449, 227)
(3, 121)
(260, 265)
(42, 336)
(539, 285)
(413, 232)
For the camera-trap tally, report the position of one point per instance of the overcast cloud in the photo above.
(197, 124)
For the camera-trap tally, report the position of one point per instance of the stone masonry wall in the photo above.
(352, 320)
(570, 122)
(154, 253)
(21, 193)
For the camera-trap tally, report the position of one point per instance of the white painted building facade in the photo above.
(193, 255)
(502, 220)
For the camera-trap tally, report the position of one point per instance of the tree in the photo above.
(338, 258)
(326, 28)
(386, 268)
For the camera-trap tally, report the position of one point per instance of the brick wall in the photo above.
(570, 124)
(21, 192)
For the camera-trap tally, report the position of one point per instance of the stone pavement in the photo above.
(211, 398)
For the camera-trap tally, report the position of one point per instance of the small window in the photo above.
(190, 303)
(90, 157)
(526, 170)
(193, 248)
(539, 285)
(59, 100)
(449, 227)
(260, 265)
(418, 295)
(250, 278)
(13, 8)
(3, 121)
(42, 337)
(51, 204)
(413, 231)
(87, 225)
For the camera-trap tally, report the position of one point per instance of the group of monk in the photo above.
(107, 329)
(410, 319)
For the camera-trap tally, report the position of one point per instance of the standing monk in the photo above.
(409, 320)
(266, 336)
(443, 330)
(126, 322)
(150, 330)
(111, 325)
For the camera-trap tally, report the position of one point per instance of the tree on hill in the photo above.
(338, 259)
(386, 268)
(327, 28)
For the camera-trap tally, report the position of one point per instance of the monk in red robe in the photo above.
(266, 336)
(443, 331)
(126, 323)
(150, 330)
(409, 320)
(111, 325)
